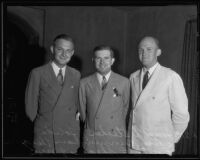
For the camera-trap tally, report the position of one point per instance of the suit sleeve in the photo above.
(126, 100)
(82, 101)
(77, 98)
(126, 97)
(179, 106)
(31, 95)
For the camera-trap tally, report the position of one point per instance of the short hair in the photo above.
(65, 37)
(153, 38)
(104, 47)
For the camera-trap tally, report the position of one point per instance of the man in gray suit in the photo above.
(51, 100)
(104, 101)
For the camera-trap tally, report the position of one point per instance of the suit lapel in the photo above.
(137, 86)
(97, 92)
(150, 85)
(50, 77)
(107, 94)
(68, 81)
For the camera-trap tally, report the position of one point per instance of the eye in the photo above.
(69, 50)
(149, 49)
(59, 49)
(107, 58)
(97, 59)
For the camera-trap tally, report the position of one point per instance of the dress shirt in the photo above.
(56, 69)
(100, 77)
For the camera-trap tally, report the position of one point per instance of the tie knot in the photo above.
(60, 71)
(104, 78)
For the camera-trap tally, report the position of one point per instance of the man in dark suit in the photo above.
(51, 100)
(104, 101)
(159, 104)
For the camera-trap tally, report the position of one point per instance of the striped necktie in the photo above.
(60, 77)
(103, 83)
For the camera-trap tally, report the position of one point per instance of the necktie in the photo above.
(60, 77)
(103, 83)
(145, 79)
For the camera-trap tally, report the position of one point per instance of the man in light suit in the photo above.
(160, 109)
(51, 100)
(103, 106)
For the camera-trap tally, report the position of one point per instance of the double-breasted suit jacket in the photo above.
(104, 113)
(160, 112)
(53, 108)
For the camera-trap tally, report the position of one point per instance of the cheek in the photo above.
(57, 54)
(140, 56)
(96, 64)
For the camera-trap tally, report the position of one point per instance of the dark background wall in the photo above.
(122, 28)
(89, 26)
(167, 23)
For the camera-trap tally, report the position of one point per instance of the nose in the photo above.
(101, 61)
(64, 53)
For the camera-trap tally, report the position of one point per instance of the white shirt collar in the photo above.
(151, 70)
(56, 69)
(100, 77)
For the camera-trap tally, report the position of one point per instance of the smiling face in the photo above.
(103, 61)
(62, 51)
(148, 52)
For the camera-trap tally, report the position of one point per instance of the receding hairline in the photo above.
(155, 40)
(64, 37)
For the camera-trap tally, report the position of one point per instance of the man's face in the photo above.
(103, 61)
(148, 52)
(62, 51)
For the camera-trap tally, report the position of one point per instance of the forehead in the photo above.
(148, 42)
(103, 53)
(63, 43)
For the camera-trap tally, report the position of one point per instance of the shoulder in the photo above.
(120, 77)
(135, 74)
(169, 72)
(40, 69)
(170, 75)
(74, 71)
(88, 78)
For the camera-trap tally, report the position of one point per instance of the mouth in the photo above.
(64, 58)
(102, 66)
(144, 58)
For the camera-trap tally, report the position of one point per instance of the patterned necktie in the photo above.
(145, 79)
(60, 77)
(103, 83)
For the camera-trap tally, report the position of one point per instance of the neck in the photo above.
(59, 65)
(104, 74)
(148, 67)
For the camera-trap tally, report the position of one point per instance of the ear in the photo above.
(113, 60)
(51, 48)
(72, 53)
(158, 52)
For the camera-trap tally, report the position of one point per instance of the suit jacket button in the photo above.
(69, 109)
(111, 117)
